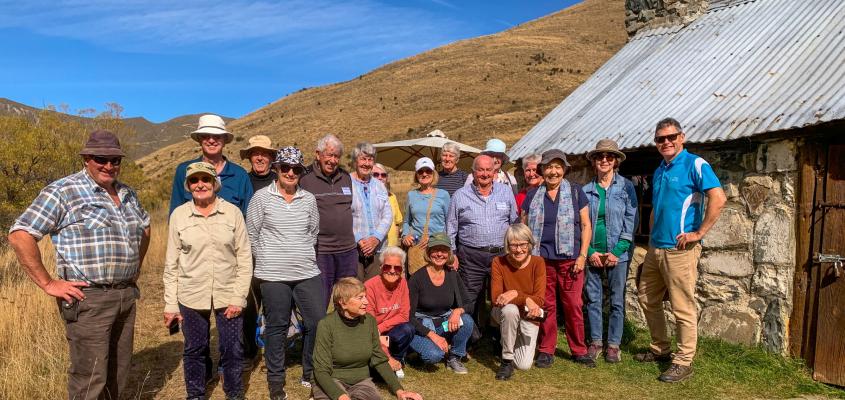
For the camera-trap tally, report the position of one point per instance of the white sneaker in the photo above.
(400, 373)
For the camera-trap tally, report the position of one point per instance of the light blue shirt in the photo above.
(478, 221)
(417, 208)
(678, 197)
(371, 212)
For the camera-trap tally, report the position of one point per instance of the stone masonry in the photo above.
(640, 14)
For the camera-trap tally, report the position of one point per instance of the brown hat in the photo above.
(102, 143)
(552, 154)
(607, 146)
(258, 142)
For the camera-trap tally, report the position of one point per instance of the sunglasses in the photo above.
(604, 156)
(380, 174)
(105, 160)
(664, 138)
(391, 268)
(425, 171)
(205, 179)
(284, 168)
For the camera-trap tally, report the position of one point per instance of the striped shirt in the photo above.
(372, 215)
(283, 235)
(478, 221)
(96, 241)
(451, 182)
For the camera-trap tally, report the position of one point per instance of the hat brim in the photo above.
(216, 186)
(618, 153)
(544, 162)
(93, 151)
(245, 152)
(207, 131)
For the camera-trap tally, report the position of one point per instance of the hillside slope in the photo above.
(497, 85)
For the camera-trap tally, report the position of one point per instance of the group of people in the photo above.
(367, 281)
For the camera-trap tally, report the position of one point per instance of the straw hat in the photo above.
(607, 146)
(258, 142)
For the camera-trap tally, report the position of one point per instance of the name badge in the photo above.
(501, 206)
(346, 190)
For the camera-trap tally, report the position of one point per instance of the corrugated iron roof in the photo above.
(742, 68)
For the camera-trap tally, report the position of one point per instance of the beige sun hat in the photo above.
(607, 146)
(211, 124)
(258, 142)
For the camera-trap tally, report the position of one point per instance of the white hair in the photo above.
(365, 149)
(453, 148)
(531, 158)
(391, 251)
(478, 157)
(329, 141)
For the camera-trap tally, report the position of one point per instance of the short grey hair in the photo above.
(450, 147)
(519, 232)
(531, 158)
(391, 251)
(364, 148)
(329, 141)
(667, 122)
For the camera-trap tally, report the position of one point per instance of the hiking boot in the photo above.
(585, 360)
(595, 350)
(613, 355)
(278, 394)
(505, 370)
(544, 360)
(454, 363)
(676, 373)
(649, 356)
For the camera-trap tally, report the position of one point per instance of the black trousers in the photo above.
(474, 271)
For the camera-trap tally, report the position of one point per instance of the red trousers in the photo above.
(559, 282)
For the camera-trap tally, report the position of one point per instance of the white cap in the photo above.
(424, 162)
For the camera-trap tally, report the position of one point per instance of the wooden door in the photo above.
(829, 228)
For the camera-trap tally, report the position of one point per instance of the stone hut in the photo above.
(759, 86)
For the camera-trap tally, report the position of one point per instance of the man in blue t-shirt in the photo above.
(679, 221)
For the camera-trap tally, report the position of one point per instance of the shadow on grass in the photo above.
(153, 367)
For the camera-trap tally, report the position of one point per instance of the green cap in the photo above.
(439, 239)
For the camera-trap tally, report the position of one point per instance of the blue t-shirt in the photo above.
(236, 186)
(417, 208)
(678, 197)
(548, 244)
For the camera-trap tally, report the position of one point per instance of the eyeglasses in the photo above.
(671, 138)
(380, 174)
(284, 168)
(519, 246)
(604, 156)
(391, 268)
(105, 160)
(205, 179)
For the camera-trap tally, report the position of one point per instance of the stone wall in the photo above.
(640, 14)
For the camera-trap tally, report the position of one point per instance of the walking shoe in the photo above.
(585, 360)
(505, 370)
(454, 363)
(544, 360)
(648, 356)
(613, 354)
(676, 373)
(595, 350)
(400, 373)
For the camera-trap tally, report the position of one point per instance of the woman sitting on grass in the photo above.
(347, 347)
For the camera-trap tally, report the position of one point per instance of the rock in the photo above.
(772, 281)
(779, 156)
(733, 229)
(731, 191)
(756, 190)
(758, 305)
(788, 188)
(713, 289)
(774, 236)
(774, 328)
(735, 324)
(727, 263)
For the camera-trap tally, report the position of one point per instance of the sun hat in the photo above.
(211, 124)
(202, 168)
(424, 162)
(439, 239)
(258, 142)
(102, 143)
(607, 146)
(290, 156)
(496, 148)
(552, 154)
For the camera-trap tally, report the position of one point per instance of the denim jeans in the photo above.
(195, 327)
(400, 340)
(616, 278)
(430, 353)
(278, 300)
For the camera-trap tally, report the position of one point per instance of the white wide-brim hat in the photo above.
(211, 124)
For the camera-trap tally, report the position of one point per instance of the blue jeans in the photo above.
(400, 340)
(430, 353)
(616, 277)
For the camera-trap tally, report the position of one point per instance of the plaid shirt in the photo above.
(96, 241)
(371, 211)
(478, 221)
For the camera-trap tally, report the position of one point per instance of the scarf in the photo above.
(565, 226)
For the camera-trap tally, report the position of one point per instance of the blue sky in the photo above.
(164, 58)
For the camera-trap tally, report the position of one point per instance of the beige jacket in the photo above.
(208, 262)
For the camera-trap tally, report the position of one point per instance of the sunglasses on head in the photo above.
(604, 156)
(204, 179)
(380, 174)
(664, 138)
(284, 168)
(391, 268)
(105, 160)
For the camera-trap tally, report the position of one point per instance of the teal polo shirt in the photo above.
(678, 197)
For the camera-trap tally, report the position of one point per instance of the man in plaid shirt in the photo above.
(101, 234)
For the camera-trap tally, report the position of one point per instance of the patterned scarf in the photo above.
(565, 227)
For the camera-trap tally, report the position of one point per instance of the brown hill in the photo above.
(149, 136)
(497, 85)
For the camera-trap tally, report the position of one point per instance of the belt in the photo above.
(109, 286)
(489, 249)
